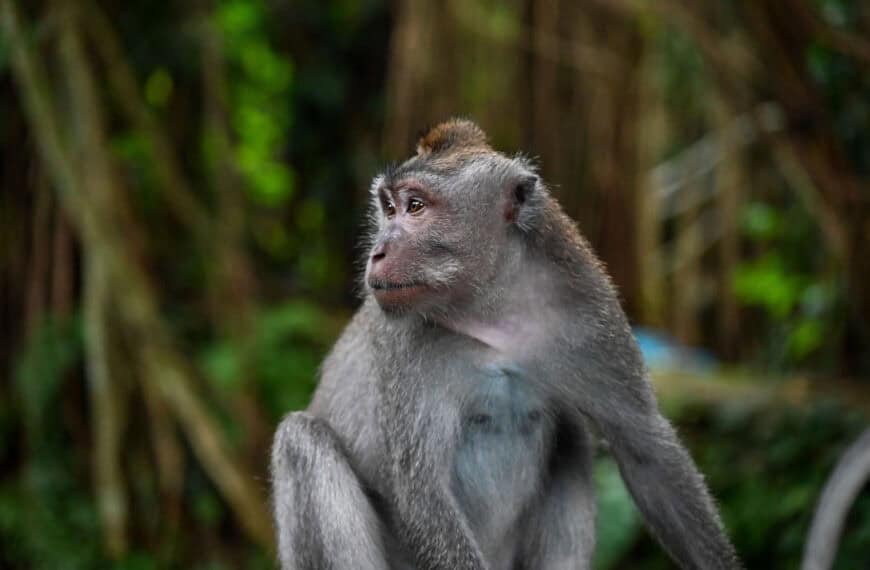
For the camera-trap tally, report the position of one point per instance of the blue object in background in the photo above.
(661, 351)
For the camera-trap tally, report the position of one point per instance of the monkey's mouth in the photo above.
(390, 295)
(381, 285)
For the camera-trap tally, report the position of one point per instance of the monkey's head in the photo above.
(445, 219)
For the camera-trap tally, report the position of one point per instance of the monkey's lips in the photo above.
(393, 295)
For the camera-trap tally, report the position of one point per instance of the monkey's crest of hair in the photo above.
(453, 135)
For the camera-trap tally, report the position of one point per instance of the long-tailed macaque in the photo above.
(452, 425)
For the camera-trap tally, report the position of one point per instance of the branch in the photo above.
(176, 190)
(720, 389)
(34, 89)
(106, 426)
(167, 452)
(840, 492)
(168, 371)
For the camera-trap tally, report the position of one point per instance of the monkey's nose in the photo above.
(378, 254)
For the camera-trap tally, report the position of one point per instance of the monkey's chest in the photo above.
(502, 455)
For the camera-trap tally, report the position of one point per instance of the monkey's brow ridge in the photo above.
(394, 172)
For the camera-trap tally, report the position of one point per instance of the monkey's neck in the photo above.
(517, 314)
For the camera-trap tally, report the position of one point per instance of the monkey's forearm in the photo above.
(674, 501)
(615, 393)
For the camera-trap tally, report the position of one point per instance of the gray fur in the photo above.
(451, 430)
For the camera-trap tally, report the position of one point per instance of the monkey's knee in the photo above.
(310, 466)
(322, 515)
(299, 439)
(302, 426)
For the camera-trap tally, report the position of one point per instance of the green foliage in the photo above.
(844, 82)
(684, 82)
(158, 87)
(320, 110)
(43, 519)
(501, 19)
(4, 55)
(135, 151)
(789, 283)
(50, 353)
(43, 512)
(768, 469)
(292, 343)
(761, 222)
(207, 508)
(261, 80)
(288, 343)
(766, 283)
(137, 561)
(618, 520)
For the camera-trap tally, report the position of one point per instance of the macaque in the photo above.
(453, 423)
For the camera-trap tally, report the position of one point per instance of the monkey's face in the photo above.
(432, 246)
(411, 265)
(441, 231)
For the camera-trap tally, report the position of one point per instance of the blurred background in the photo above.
(182, 185)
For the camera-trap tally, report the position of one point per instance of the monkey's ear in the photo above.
(521, 193)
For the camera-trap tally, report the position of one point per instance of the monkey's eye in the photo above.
(415, 206)
(390, 209)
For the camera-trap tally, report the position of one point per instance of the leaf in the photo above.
(222, 364)
(158, 87)
(765, 283)
(807, 337)
(761, 222)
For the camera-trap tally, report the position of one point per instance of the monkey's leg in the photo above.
(421, 442)
(323, 517)
(560, 531)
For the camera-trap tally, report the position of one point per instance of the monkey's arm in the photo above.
(670, 493)
(664, 482)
